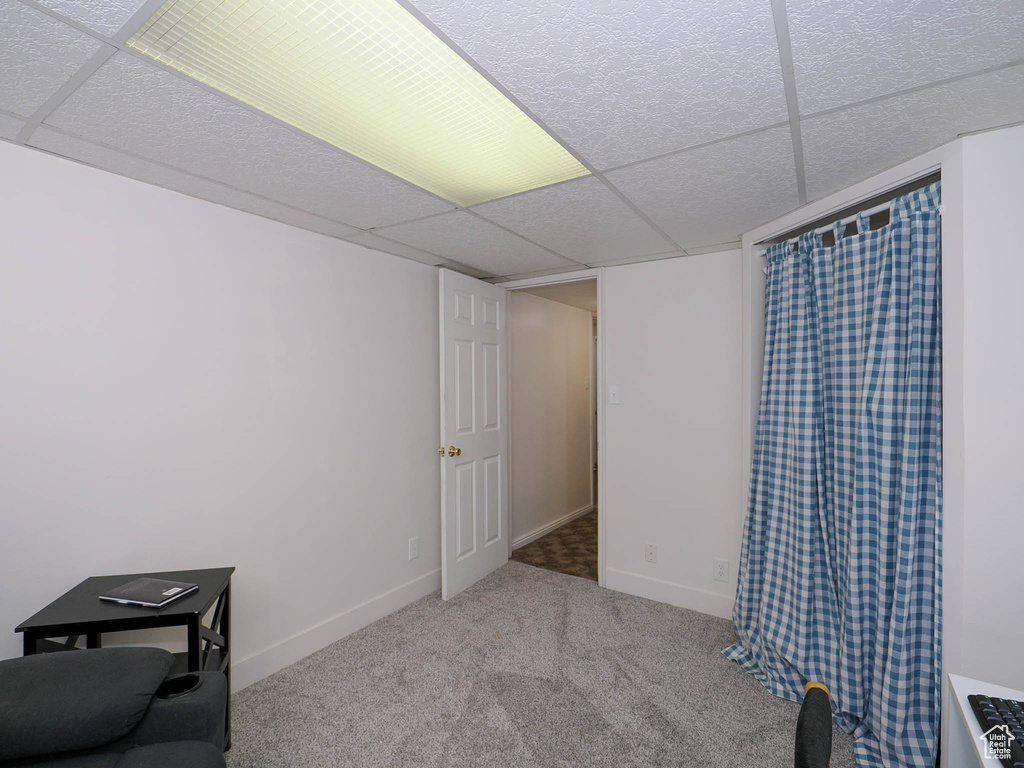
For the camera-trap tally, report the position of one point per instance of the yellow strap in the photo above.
(814, 684)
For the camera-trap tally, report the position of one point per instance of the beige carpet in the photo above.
(526, 668)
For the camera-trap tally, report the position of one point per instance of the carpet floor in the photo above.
(570, 549)
(525, 668)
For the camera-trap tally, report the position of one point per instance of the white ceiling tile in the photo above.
(621, 80)
(468, 239)
(847, 146)
(10, 126)
(583, 220)
(106, 17)
(135, 106)
(377, 243)
(37, 56)
(846, 51)
(151, 173)
(714, 194)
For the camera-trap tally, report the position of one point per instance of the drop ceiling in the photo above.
(581, 294)
(698, 119)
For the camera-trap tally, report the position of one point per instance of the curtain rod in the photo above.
(869, 212)
(870, 206)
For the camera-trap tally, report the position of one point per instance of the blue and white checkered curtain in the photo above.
(840, 574)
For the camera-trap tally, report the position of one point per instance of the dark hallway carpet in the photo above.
(571, 549)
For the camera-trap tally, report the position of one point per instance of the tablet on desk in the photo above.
(149, 593)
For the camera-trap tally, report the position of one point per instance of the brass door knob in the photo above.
(453, 451)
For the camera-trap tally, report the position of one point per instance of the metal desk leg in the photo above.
(224, 627)
(194, 644)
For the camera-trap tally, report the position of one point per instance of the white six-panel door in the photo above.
(474, 415)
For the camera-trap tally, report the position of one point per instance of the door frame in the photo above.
(599, 388)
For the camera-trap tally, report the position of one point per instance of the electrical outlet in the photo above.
(720, 570)
(651, 553)
(414, 547)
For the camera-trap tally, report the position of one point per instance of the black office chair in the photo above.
(814, 728)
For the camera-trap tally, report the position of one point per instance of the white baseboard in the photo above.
(547, 528)
(279, 655)
(669, 592)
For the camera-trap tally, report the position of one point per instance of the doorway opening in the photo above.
(553, 426)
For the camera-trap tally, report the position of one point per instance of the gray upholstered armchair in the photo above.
(109, 708)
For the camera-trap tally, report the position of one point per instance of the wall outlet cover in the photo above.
(414, 547)
(651, 553)
(720, 570)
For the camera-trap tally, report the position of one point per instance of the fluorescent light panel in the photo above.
(369, 78)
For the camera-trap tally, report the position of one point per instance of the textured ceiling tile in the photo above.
(713, 194)
(135, 106)
(106, 17)
(466, 238)
(582, 219)
(37, 56)
(10, 126)
(845, 147)
(377, 243)
(151, 173)
(621, 80)
(850, 50)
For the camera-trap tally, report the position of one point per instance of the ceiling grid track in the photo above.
(118, 43)
(695, 147)
(632, 206)
(529, 113)
(199, 177)
(521, 237)
(123, 47)
(914, 89)
(443, 261)
(694, 181)
(137, 21)
(70, 86)
(792, 103)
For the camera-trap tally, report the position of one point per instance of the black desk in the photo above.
(81, 612)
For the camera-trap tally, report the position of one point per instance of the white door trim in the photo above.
(602, 452)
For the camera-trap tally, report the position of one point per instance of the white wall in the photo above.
(185, 385)
(551, 475)
(673, 475)
(993, 333)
